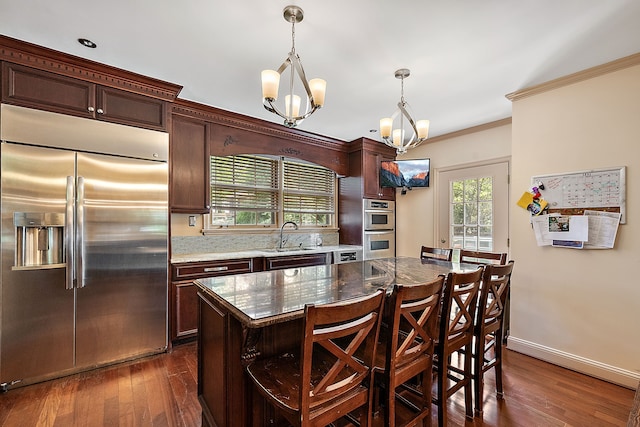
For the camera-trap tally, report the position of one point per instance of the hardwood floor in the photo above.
(161, 391)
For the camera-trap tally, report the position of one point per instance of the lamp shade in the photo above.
(422, 126)
(398, 137)
(292, 108)
(385, 127)
(318, 89)
(270, 84)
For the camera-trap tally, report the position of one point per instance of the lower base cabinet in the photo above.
(184, 295)
(183, 312)
(185, 303)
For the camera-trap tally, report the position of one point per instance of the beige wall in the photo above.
(415, 211)
(577, 308)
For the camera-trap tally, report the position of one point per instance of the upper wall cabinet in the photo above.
(189, 156)
(371, 189)
(199, 131)
(365, 158)
(37, 77)
(30, 87)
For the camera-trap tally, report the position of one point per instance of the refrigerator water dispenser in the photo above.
(39, 240)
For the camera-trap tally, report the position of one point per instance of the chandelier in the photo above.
(397, 138)
(314, 88)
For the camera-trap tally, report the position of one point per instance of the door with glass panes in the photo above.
(473, 207)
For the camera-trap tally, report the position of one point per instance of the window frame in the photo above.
(210, 228)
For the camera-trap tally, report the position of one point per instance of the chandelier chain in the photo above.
(293, 35)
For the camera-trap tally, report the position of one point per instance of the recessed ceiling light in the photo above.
(87, 43)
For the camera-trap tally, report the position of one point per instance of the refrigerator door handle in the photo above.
(80, 250)
(68, 233)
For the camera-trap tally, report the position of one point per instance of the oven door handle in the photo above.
(390, 230)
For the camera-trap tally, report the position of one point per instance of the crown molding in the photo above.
(609, 67)
(239, 121)
(34, 56)
(467, 131)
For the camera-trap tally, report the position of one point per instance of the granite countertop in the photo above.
(215, 256)
(268, 297)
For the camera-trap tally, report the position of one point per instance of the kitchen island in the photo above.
(253, 315)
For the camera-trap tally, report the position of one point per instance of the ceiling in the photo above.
(464, 55)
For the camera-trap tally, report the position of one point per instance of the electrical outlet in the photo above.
(192, 220)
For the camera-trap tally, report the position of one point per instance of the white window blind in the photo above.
(262, 191)
(308, 189)
(244, 190)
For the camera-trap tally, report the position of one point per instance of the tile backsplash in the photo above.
(182, 245)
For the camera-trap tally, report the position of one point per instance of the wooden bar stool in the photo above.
(427, 252)
(487, 351)
(457, 319)
(478, 257)
(324, 381)
(484, 258)
(406, 352)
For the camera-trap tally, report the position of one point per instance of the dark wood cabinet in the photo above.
(183, 310)
(184, 304)
(371, 188)
(34, 88)
(363, 182)
(297, 260)
(189, 157)
(223, 390)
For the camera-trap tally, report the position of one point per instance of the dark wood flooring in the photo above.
(161, 391)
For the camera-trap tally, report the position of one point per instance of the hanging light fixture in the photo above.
(397, 138)
(315, 88)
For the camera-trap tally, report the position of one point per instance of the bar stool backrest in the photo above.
(427, 252)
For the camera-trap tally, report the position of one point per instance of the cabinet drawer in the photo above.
(191, 270)
(306, 260)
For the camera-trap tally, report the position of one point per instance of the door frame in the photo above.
(437, 195)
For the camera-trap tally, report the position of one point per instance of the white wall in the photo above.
(415, 211)
(580, 309)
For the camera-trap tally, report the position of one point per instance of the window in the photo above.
(472, 214)
(262, 191)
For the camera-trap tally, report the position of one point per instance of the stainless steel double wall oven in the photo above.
(379, 229)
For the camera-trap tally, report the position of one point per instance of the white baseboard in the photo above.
(595, 369)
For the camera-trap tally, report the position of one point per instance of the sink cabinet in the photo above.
(35, 88)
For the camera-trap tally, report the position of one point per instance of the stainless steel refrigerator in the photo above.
(84, 244)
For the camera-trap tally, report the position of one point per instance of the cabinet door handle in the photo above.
(212, 269)
(91, 109)
(100, 111)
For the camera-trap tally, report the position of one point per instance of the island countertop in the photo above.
(268, 297)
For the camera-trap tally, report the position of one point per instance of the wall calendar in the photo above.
(572, 193)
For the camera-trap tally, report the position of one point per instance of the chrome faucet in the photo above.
(282, 242)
